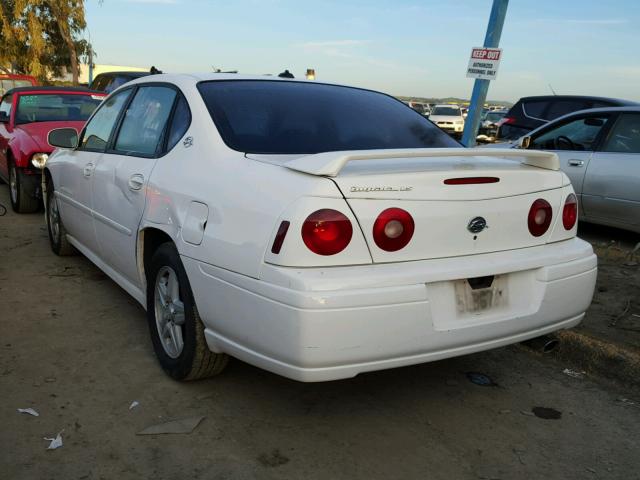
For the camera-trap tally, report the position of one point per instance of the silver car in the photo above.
(599, 150)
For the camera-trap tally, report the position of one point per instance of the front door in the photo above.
(611, 191)
(573, 141)
(122, 174)
(77, 168)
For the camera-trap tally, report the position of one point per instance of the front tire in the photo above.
(22, 190)
(57, 233)
(177, 332)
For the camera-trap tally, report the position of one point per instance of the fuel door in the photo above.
(195, 223)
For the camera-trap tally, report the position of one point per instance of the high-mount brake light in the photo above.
(471, 180)
(393, 229)
(539, 217)
(327, 232)
(570, 212)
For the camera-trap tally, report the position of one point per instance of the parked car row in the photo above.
(260, 218)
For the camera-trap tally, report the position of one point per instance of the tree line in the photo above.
(42, 37)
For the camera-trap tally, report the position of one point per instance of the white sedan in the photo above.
(316, 231)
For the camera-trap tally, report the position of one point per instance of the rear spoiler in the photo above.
(329, 164)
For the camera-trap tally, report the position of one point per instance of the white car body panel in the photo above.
(312, 317)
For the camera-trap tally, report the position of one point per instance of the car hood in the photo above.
(445, 118)
(38, 132)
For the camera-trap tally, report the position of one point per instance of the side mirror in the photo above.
(524, 142)
(63, 138)
(4, 117)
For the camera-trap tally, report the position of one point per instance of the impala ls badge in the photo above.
(477, 224)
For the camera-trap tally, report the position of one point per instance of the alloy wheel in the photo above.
(169, 311)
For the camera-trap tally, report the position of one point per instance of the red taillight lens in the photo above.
(570, 212)
(506, 121)
(279, 240)
(393, 229)
(539, 217)
(326, 232)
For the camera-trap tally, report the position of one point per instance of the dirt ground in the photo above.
(75, 347)
(614, 315)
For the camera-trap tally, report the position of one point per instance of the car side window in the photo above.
(535, 108)
(5, 105)
(145, 121)
(98, 130)
(625, 135)
(180, 122)
(577, 135)
(559, 108)
(99, 83)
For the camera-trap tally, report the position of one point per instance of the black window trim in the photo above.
(552, 125)
(170, 122)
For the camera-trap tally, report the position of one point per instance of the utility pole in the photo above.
(90, 64)
(481, 87)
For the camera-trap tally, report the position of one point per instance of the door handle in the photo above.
(576, 163)
(88, 169)
(136, 182)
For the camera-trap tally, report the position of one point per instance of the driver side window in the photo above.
(579, 135)
(98, 130)
(5, 106)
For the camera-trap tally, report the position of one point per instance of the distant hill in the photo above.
(463, 101)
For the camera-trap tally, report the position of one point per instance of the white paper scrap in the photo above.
(55, 442)
(30, 411)
(133, 405)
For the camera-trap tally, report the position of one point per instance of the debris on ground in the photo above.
(626, 401)
(30, 411)
(481, 379)
(273, 459)
(547, 413)
(134, 404)
(184, 425)
(55, 442)
(574, 373)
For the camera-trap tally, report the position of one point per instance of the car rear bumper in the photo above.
(319, 324)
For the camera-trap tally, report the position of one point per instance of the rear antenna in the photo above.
(552, 90)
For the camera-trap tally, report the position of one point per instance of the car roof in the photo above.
(128, 73)
(618, 101)
(53, 89)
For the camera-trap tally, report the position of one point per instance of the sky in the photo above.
(401, 47)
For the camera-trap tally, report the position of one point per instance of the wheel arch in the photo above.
(149, 239)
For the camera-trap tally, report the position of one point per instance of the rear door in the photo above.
(574, 141)
(122, 174)
(611, 191)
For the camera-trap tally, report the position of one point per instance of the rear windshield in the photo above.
(55, 107)
(455, 111)
(276, 117)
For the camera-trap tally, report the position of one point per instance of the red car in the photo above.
(27, 115)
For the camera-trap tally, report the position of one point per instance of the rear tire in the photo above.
(57, 233)
(22, 190)
(177, 332)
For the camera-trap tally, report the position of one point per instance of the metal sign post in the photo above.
(481, 86)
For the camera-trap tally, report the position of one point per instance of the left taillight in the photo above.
(539, 217)
(393, 229)
(327, 232)
(570, 212)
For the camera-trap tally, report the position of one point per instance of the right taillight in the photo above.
(326, 232)
(570, 212)
(539, 217)
(393, 229)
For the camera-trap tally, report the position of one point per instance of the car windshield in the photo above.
(55, 107)
(494, 116)
(276, 117)
(455, 111)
